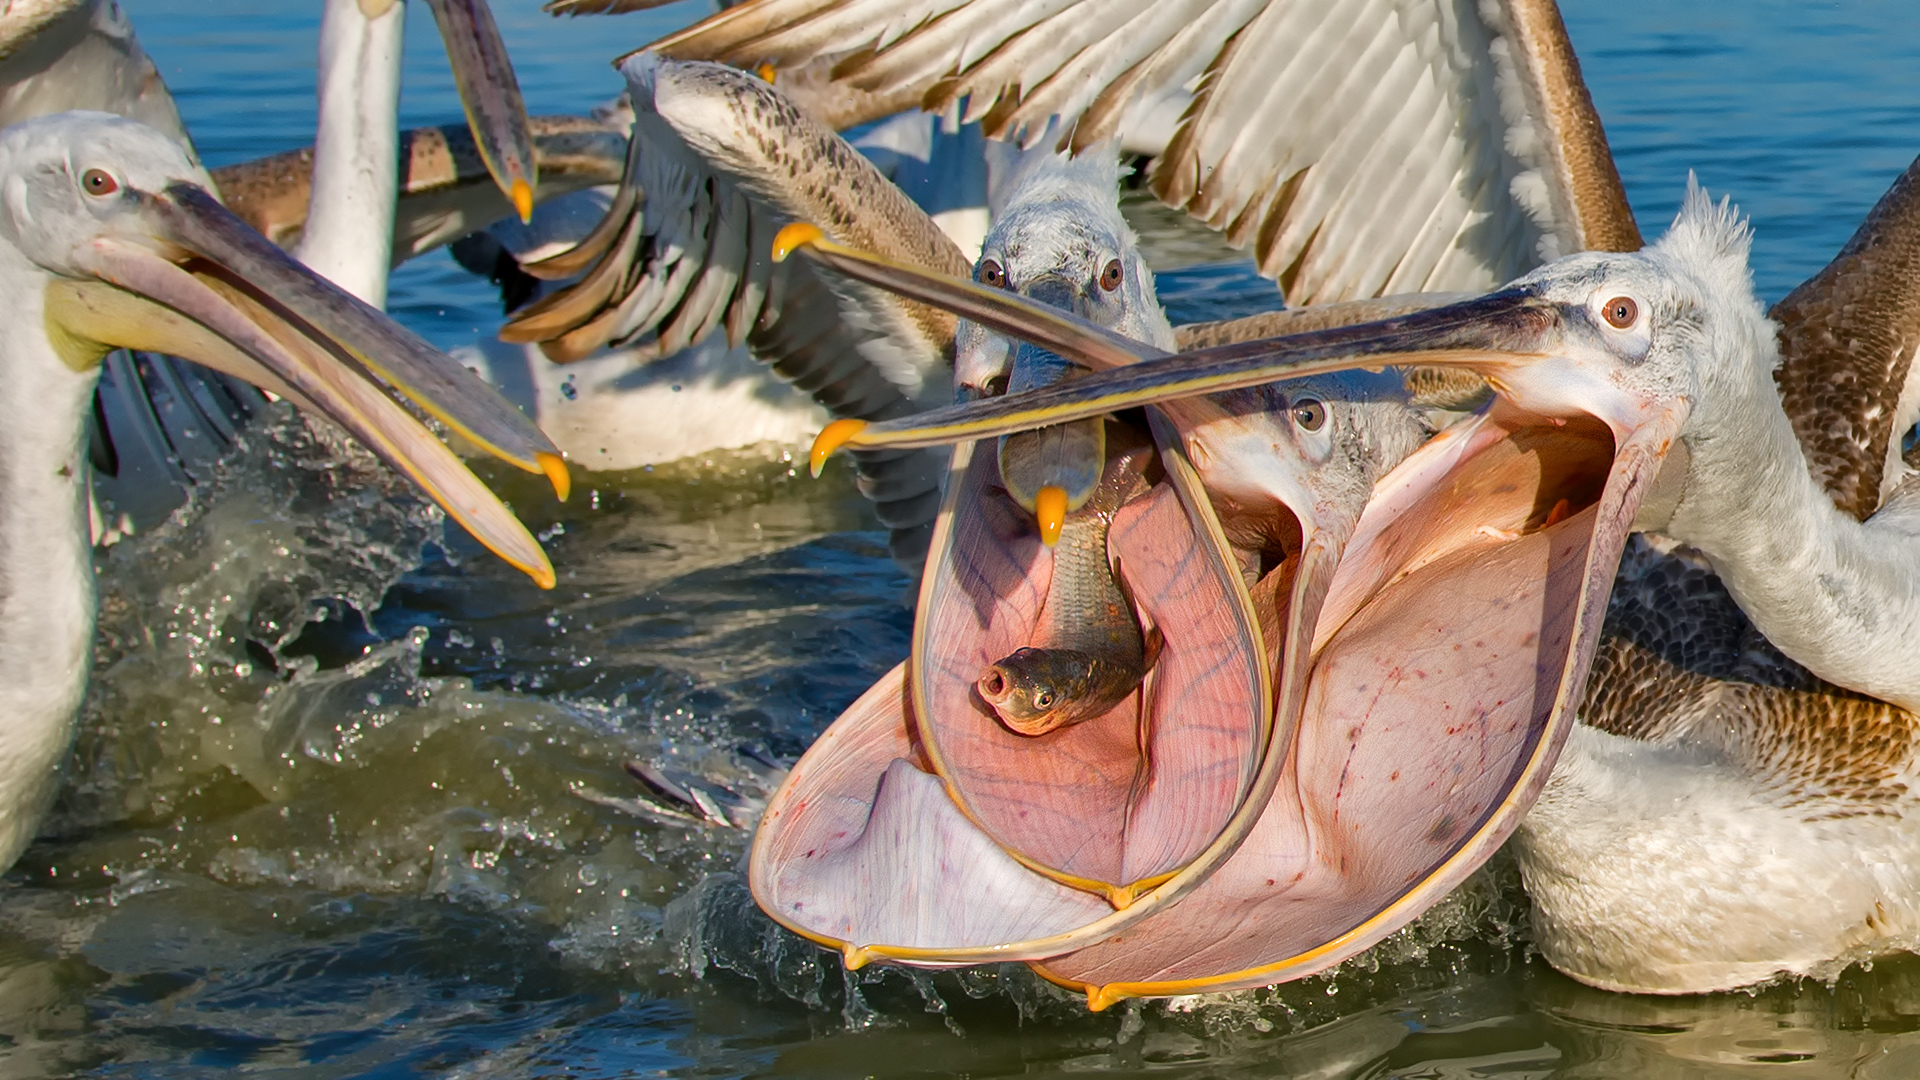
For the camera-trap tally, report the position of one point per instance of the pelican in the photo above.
(1708, 748)
(107, 240)
(1297, 143)
(682, 253)
(159, 420)
(1086, 839)
(1069, 843)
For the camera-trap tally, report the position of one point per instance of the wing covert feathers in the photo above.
(1679, 664)
(1359, 147)
(719, 162)
(1847, 341)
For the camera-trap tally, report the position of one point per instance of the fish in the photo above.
(1089, 652)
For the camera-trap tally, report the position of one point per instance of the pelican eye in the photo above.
(991, 274)
(1310, 414)
(99, 182)
(1110, 277)
(1620, 312)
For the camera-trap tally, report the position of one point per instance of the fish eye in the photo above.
(1043, 700)
(98, 182)
(1621, 312)
(992, 275)
(1310, 414)
(1110, 277)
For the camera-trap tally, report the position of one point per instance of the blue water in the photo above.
(393, 870)
(1803, 112)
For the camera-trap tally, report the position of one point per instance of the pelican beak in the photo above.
(180, 274)
(1447, 664)
(1017, 316)
(921, 829)
(490, 94)
(1503, 337)
(1454, 640)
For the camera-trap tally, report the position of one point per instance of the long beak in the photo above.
(490, 94)
(1029, 320)
(1497, 336)
(224, 296)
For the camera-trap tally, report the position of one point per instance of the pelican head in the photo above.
(103, 228)
(1318, 444)
(1060, 240)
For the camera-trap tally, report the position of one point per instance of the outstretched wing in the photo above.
(720, 161)
(1848, 337)
(1359, 147)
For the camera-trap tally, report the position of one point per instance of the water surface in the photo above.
(303, 839)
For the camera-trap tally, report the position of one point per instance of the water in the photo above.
(396, 843)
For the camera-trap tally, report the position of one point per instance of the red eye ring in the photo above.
(1110, 277)
(1620, 312)
(992, 275)
(98, 182)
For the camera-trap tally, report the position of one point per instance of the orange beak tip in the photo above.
(541, 572)
(555, 467)
(766, 73)
(857, 957)
(831, 438)
(1050, 513)
(1102, 998)
(793, 236)
(522, 196)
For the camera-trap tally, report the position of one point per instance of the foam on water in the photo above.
(221, 742)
